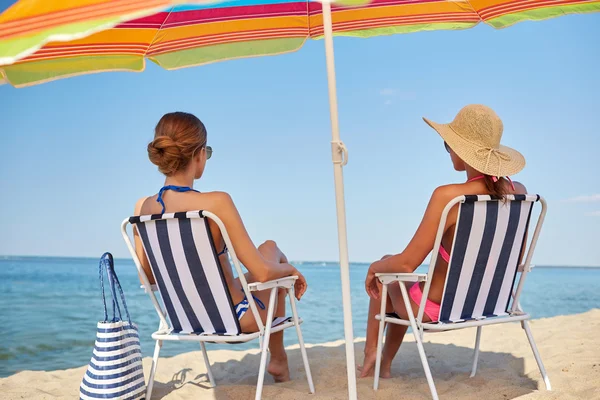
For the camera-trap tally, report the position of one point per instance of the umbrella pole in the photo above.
(340, 158)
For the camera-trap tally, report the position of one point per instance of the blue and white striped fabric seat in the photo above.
(488, 245)
(197, 305)
(182, 255)
(489, 242)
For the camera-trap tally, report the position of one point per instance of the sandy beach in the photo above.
(569, 345)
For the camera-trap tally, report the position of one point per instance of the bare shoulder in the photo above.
(520, 188)
(215, 200)
(217, 196)
(138, 206)
(446, 193)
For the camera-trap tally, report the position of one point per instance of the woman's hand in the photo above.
(372, 284)
(300, 285)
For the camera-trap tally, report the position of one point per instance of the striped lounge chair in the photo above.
(481, 285)
(197, 303)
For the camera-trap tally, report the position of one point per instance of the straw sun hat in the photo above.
(474, 136)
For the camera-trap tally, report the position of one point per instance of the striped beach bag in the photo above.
(115, 370)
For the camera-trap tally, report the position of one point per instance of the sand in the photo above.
(569, 345)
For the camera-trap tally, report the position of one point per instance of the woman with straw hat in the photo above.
(473, 142)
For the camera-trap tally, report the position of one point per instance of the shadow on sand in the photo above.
(500, 376)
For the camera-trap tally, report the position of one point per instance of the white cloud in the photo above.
(391, 95)
(593, 214)
(584, 199)
(387, 92)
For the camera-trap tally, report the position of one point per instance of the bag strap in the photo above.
(122, 295)
(102, 268)
(107, 263)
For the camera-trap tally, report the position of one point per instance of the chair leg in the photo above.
(536, 354)
(211, 378)
(265, 345)
(301, 340)
(157, 348)
(380, 337)
(476, 352)
(415, 330)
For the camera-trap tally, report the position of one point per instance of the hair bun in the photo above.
(164, 152)
(177, 137)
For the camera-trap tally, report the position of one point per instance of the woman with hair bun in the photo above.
(180, 151)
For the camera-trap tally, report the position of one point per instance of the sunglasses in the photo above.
(209, 152)
(447, 147)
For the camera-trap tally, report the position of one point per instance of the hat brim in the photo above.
(468, 152)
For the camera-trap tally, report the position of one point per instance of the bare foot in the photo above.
(279, 370)
(386, 371)
(368, 367)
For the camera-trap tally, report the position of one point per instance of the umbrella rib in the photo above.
(475, 11)
(158, 31)
(308, 31)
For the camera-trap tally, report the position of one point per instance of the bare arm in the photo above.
(263, 270)
(420, 245)
(139, 249)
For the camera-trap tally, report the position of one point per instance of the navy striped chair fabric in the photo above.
(489, 241)
(195, 296)
(488, 245)
(182, 255)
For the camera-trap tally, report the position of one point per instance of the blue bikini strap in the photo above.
(259, 303)
(181, 189)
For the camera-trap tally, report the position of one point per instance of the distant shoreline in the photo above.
(71, 258)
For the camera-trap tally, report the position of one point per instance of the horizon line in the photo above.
(13, 256)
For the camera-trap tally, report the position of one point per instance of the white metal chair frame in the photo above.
(264, 330)
(419, 327)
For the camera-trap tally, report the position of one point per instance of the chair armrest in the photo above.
(153, 287)
(401, 277)
(286, 282)
(521, 268)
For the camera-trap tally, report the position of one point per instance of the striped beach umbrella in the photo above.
(46, 40)
(43, 40)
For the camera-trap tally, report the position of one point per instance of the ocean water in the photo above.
(50, 306)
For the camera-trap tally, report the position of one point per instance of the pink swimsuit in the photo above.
(432, 309)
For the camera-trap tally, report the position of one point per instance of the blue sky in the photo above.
(73, 152)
